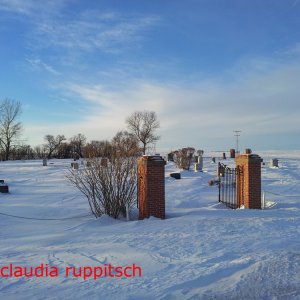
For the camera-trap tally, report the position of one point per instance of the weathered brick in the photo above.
(249, 185)
(151, 188)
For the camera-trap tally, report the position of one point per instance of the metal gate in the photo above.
(230, 186)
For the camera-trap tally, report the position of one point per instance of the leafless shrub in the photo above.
(183, 157)
(109, 189)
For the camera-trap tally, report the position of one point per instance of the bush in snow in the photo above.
(109, 189)
(183, 157)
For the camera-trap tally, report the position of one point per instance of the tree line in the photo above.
(136, 140)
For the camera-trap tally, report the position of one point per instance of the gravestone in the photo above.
(3, 187)
(273, 163)
(175, 175)
(75, 165)
(171, 156)
(232, 153)
(199, 165)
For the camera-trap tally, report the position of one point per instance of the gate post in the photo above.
(249, 187)
(151, 187)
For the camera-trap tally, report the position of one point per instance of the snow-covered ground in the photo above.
(201, 251)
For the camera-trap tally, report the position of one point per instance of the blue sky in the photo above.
(207, 67)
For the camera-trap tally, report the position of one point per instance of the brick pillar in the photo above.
(250, 189)
(151, 187)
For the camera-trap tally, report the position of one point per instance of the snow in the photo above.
(201, 251)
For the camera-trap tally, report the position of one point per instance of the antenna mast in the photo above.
(237, 134)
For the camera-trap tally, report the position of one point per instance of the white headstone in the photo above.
(200, 161)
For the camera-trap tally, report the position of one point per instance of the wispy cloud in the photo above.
(73, 38)
(258, 96)
(105, 32)
(86, 30)
(32, 8)
(17, 6)
(39, 64)
(294, 50)
(256, 104)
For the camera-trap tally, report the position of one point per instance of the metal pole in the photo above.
(237, 134)
(263, 200)
(219, 182)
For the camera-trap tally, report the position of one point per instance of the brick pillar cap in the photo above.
(249, 157)
(152, 157)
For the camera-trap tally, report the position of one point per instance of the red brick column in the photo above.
(151, 187)
(250, 164)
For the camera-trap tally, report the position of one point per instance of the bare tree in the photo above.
(64, 150)
(143, 125)
(39, 151)
(77, 143)
(125, 144)
(97, 149)
(53, 143)
(10, 128)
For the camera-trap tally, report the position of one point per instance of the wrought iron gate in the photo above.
(230, 186)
